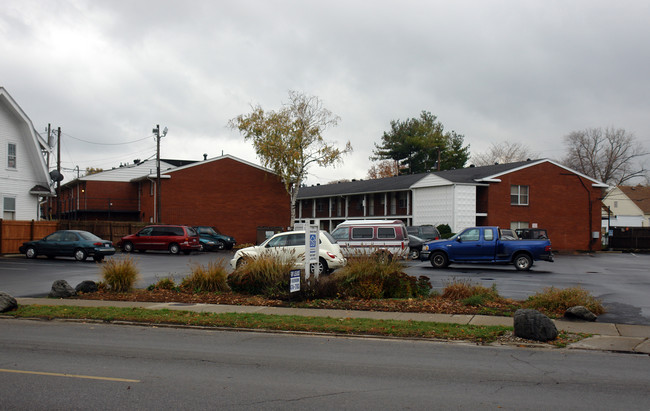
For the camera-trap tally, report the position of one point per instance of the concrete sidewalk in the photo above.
(607, 336)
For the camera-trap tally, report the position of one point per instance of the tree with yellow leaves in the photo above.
(290, 140)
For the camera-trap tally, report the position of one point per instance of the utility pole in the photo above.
(158, 137)
(58, 168)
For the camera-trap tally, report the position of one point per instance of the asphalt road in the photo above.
(621, 281)
(65, 365)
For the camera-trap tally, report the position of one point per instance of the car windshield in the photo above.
(214, 231)
(191, 231)
(89, 236)
(429, 231)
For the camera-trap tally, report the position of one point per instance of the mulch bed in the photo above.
(434, 304)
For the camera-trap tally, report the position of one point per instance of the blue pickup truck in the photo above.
(484, 245)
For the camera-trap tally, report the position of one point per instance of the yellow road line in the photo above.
(55, 374)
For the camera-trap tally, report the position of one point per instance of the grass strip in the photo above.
(358, 326)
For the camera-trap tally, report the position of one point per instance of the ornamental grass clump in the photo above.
(557, 300)
(469, 293)
(120, 274)
(266, 274)
(378, 275)
(210, 278)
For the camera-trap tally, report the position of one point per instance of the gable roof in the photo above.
(34, 143)
(640, 195)
(124, 173)
(209, 160)
(469, 175)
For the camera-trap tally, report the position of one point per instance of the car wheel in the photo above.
(30, 252)
(523, 262)
(323, 268)
(128, 247)
(414, 254)
(174, 248)
(98, 258)
(80, 255)
(241, 262)
(439, 260)
(220, 245)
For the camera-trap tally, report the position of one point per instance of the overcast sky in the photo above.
(108, 71)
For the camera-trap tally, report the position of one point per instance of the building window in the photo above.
(11, 155)
(9, 208)
(519, 195)
(319, 205)
(151, 189)
(515, 225)
(401, 200)
(615, 204)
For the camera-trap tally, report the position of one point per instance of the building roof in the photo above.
(125, 173)
(469, 175)
(639, 194)
(377, 185)
(34, 143)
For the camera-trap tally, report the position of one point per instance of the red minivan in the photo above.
(175, 238)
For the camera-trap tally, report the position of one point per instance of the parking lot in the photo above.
(621, 281)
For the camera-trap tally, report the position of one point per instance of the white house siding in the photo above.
(449, 204)
(465, 207)
(17, 182)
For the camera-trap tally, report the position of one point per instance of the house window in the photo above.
(519, 195)
(9, 208)
(515, 225)
(319, 205)
(401, 200)
(615, 204)
(11, 155)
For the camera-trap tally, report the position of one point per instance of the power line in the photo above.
(105, 144)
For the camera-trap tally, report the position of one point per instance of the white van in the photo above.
(370, 236)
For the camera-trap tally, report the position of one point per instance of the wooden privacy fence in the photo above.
(108, 230)
(14, 233)
(633, 238)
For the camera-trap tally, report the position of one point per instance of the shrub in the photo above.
(120, 275)
(423, 286)
(266, 274)
(444, 230)
(210, 278)
(377, 276)
(558, 300)
(166, 283)
(464, 289)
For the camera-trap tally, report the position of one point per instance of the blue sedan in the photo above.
(69, 243)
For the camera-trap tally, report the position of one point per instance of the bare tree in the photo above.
(610, 155)
(502, 153)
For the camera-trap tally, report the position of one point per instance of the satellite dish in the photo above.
(56, 176)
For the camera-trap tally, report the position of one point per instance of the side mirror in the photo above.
(459, 239)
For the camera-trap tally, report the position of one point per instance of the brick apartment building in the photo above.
(237, 197)
(527, 194)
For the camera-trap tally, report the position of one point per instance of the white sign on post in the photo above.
(294, 285)
(312, 240)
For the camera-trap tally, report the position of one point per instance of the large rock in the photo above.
(533, 325)
(86, 287)
(7, 302)
(579, 313)
(61, 289)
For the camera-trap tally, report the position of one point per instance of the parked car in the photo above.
(372, 236)
(532, 233)
(484, 245)
(415, 246)
(174, 238)
(426, 231)
(212, 240)
(292, 243)
(69, 243)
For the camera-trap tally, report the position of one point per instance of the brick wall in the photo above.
(557, 202)
(232, 196)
